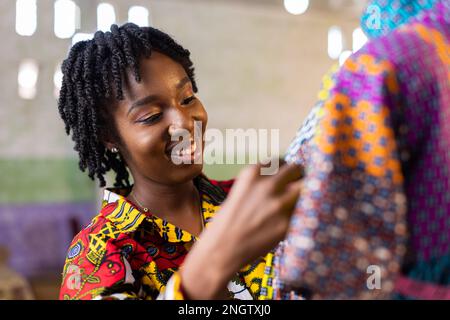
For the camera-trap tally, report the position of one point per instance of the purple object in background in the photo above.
(38, 235)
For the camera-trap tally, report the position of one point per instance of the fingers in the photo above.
(288, 173)
(250, 172)
(245, 179)
(291, 195)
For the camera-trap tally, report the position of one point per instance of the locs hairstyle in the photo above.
(93, 74)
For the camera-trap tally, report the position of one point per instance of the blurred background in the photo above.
(258, 65)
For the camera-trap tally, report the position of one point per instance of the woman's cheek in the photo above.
(138, 140)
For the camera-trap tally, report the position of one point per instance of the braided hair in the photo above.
(93, 74)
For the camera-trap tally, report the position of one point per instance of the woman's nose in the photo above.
(175, 131)
(181, 121)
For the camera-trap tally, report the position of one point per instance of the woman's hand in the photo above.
(252, 221)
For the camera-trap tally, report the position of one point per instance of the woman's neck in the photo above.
(169, 202)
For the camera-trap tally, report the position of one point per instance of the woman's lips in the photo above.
(183, 155)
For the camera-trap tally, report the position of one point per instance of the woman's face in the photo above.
(160, 106)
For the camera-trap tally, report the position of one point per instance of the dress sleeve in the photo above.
(347, 237)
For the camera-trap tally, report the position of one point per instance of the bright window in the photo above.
(65, 18)
(106, 16)
(26, 17)
(296, 6)
(344, 56)
(359, 39)
(334, 42)
(27, 79)
(139, 16)
(57, 80)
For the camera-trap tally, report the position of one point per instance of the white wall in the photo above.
(257, 65)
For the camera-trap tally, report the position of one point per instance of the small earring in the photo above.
(114, 150)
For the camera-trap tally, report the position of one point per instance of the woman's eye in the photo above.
(151, 119)
(188, 100)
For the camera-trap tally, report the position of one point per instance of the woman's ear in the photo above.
(111, 147)
(108, 140)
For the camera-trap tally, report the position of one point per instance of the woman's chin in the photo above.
(186, 171)
(181, 169)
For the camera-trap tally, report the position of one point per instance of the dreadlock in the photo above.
(93, 74)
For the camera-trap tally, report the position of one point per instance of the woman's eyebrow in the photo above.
(151, 98)
(141, 102)
(183, 82)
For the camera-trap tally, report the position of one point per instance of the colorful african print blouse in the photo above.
(373, 220)
(126, 254)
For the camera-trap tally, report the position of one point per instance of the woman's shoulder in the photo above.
(115, 221)
(98, 251)
(95, 231)
(115, 218)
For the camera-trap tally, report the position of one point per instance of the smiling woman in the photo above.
(152, 111)
(125, 94)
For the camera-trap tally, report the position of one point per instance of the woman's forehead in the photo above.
(159, 74)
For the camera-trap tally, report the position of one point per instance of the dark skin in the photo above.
(254, 217)
(153, 110)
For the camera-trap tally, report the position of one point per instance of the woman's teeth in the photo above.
(187, 151)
